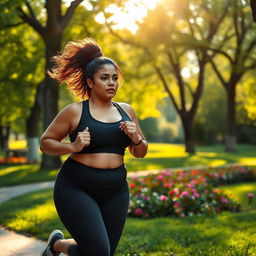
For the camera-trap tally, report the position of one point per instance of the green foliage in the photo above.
(210, 122)
(21, 53)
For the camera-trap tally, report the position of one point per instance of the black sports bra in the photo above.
(105, 137)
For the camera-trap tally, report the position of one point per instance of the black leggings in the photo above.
(92, 204)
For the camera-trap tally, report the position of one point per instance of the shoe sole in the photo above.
(50, 237)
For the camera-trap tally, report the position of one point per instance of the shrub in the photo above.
(185, 193)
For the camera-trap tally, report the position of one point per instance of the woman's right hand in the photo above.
(82, 140)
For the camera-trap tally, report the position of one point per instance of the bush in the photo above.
(185, 193)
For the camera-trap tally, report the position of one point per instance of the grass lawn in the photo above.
(159, 156)
(162, 156)
(225, 234)
(239, 193)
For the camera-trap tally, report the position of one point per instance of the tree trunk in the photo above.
(189, 142)
(4, 137)
(51, 95)
(253, 7)
(231, 118)
(32, 125)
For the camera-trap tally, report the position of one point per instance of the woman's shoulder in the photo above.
(127, 108)
(72, 108)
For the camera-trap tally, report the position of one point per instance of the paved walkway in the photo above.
(13, 244)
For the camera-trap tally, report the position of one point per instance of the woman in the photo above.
(91, 194)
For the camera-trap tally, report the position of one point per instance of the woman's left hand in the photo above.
(131, 130)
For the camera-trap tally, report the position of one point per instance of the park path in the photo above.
(14, 244)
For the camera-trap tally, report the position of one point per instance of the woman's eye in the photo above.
(115, 78)
(104, 78)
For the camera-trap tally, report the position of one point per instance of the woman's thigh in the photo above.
(82, 217)
(114, 213)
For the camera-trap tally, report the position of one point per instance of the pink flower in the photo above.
(163, 197)
(145, 197)
(176, 190)
(250, 195)
(176, 205)
(184, 193)
(160, 176)
(138, 211)
(224, 200)
(195, 194)
(189, 185)
(182, 215)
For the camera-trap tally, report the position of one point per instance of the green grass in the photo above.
(160, 156)
(240, 192)
(225, 234)
(22, 174)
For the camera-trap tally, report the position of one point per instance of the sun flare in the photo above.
(126, 17)
(129, 15)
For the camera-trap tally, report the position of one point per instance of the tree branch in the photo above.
(180, 82)
(31, 12)
(249, 49)
(198, 92)
(161, 76)
(125, 41)
(69, 13)
(7, 26)
(32, 21)
(252, 66)
(218, 73)
(189, 89)
(221, 52)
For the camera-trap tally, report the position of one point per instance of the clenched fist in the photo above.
(131, 130)
(82, 140)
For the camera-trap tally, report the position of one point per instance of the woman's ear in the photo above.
(89, 82)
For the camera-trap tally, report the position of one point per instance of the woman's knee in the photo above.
(95, 249)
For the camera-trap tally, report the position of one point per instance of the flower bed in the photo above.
(13, 160)
(185, 193)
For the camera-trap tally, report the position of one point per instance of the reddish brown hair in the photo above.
(78, 62)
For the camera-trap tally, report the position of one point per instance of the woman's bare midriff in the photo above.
(99, 160)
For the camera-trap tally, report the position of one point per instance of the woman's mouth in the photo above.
(111, 90)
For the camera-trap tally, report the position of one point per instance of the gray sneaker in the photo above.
(54, 236)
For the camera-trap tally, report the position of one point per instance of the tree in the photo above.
(51, 33)
(173, 37)
(16, 81)
(238, 52)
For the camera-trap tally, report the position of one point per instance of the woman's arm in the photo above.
(61, 126)
(134, 131)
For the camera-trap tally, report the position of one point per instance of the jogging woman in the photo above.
(91, 194)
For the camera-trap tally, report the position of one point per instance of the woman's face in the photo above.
(105, 82)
